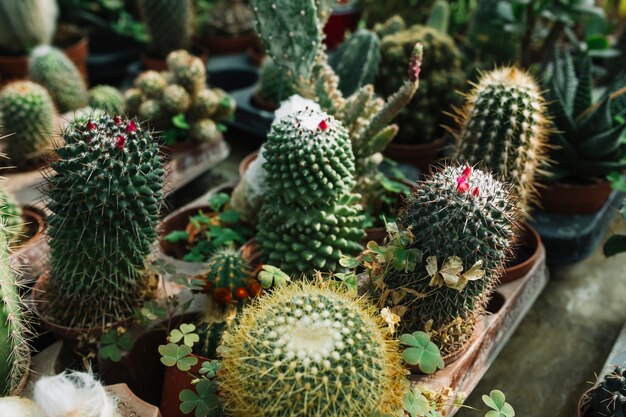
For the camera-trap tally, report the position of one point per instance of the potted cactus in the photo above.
(104, 194)
(588, 145)
(227, 27)
(420, 136)
(607, 398)
(178, 102)
(504, 128)
(28, 119)
(107, 98)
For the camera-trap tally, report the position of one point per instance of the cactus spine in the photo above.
(14, 351)
(28, 115)
(106, 98)
(24, 24)
(309, 217)
(459, 218)
(313, 351)
(503, 127)
(169, 24)
(608, 398)
(105, 201)
(51, 68)
(11, 216)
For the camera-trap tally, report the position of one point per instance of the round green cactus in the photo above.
(440, 78)
(229, 18)
(175, 99)
(225, 106)
(11, 216)
(503, 127)
(133, 98)
(106, 98)
(151, 83)
(309, 158)
(204, 130)
(463, 221)
(204, 104)
(313, 351)
(169, 23)
(51, 68)
(28, 116)
(105, 202)
(608, 398)
(187, 70)
(228, 276)
(151, 111)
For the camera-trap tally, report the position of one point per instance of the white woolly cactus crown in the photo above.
(306, 350)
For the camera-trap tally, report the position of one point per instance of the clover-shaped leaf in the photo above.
(415, 403)
(270, 276)
(204, 400)
(219, 200)
(113, 343)
(421, 352)
(348, 262)
(173, 354)
(210, 368)
(185, 332)
(497, 402)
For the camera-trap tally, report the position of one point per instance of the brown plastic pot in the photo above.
(529, 243)
(421, 155)
(174, 381)
(565, 198)
(151, 62)
(261, 103)
(228, 45)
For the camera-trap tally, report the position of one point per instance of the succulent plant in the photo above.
(24, 24)
(229, 18)
(28, 115)
(439, 18)
(443, 75)
(376, 11)
(274, 84)
(14, 350)
(169, 23)
(503, 128)
(229, 277)
(51, 68)
(151, 84)
(315, 350)
(463, 221)
(488, 40)
(589, 137)
(356, 61)
(187, 71)
(106, 98)
(11, 216)
(608, 398)
(105, 202)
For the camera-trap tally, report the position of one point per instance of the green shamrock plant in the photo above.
(497, 402)
(112, 343)
(421, 352)
(270, 276)
(179, 356)
(203, 400)
(185, 332)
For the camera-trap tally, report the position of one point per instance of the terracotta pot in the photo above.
(377, 234)
(565, 198)
(256, 55)
(228, 45)
(34, 219)
(129, 405)
(528, 247)
(174, 382)
(153, 63)
(343, 19)
(78, 53)
(263, 104)
(421, 155)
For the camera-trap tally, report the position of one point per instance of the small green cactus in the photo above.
(133, 98)
(151, 84)
(169, 23)
(175, 99)
(105, 202)
(274, 84)
(14, 350)
(439, 18)
(313, 351)
(11, 217)
(204, 104)
(28, 116)
(356, 61)
(376, 11)
(187, 71)
(463, 222)
(106, 98)
(489, 41)
(503, 127)
(229, 18)
(24, 24)
(51, 68)
(228, 276)
(608, 398)
(204, 130)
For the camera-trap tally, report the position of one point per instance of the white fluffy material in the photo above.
(255, 178)
(295, 104)
(19, 407)
(74, 394)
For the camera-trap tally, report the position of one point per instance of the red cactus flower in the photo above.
(91, 125)
(119, 142)
(476, 192)
(462, 187)
(323, 125)
(131, 127)
(117, 120)
(222, 296)
(467, 172)
(241, 293)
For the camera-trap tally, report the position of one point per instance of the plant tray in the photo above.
(569, 238)
(509, 305)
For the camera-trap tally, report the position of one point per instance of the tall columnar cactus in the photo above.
(313, 351)
(356, 61)
(503, 127)
(24, 24)
(51, 68)
(11, 216)
(420, 120)
(14, 351)
(170, 24)
(463, 221)
(105, 201)
(106, 98)
(309, 218)
(608, 398)
(28, 115)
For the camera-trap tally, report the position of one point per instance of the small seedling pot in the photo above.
(174, 381)
(528, 251)
(562, 198)
(228, 45)
(421, 155)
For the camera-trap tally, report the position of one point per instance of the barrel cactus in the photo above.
(14, 351)
(106, 98)
(228, 277)
(463, 221)
(442, 77)
(24, 24)
(313, 351)
(28, 115)
(105, 202)
(503, 127)
(51, 68)
(187, 71)
(11, 216)
(169, 23)
(229, 18)
(608, 398)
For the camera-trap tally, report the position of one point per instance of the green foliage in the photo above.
(105, 202)
(272, 277)
(11, 217)
(439, 18)
(177, 355)
(203, 402)
(184, 333)
(24, 24)
(106, 98)
(442, 74)
(51, 68)
(356, 61)
(589, 132)
(169, 23)
(421, 352)
(497, 402)
(112, 343)
(28, 115)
